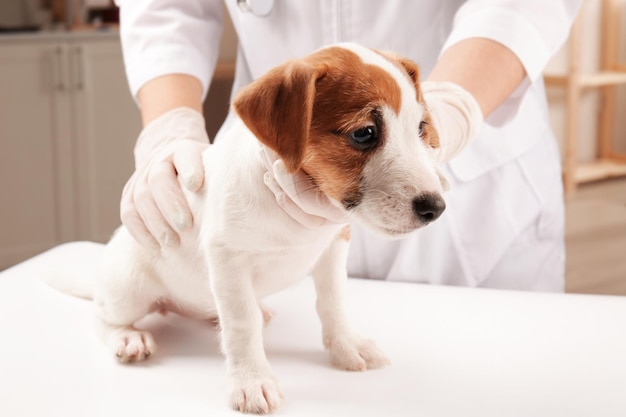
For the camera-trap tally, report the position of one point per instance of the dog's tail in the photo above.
(74, 276)
(70, 283)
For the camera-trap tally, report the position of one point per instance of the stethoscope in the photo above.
(256, 7)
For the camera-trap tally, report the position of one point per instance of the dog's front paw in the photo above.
(132, 345)
(255, 394)
(355, 354)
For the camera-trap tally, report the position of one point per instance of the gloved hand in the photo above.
(456, 116)
(298, 196)
(153, 206)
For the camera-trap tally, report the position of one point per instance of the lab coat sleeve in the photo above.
(162, 37)
(533, 29)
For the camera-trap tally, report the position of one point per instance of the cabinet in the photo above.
(611, 74)
(68, 125)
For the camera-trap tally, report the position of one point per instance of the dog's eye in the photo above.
(421, 128)
(364, 137)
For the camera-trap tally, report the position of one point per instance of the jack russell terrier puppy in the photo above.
(354, 121)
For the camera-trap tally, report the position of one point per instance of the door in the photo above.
(36, 209)
(107, 125)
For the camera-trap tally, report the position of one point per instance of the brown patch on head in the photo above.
(407, 67)
(411, 70)
(350, 96)
(305, 110)
(429, 135)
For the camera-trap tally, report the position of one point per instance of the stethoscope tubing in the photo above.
(259, 8)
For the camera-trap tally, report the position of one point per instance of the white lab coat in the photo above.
(504, 223)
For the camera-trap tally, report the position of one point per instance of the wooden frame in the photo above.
(612, 73)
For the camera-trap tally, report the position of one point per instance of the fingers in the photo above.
(297, 186)
(445, 184)
(295, 193)
(132, 219)
(189, 166)
(140, 232)
(456, 115)
(167, 196)
(153, 207)
(306, 219)
(306, 196)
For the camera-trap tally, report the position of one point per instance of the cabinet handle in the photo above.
(60, 78)
(78, 56)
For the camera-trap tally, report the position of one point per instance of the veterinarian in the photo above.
(504, 222)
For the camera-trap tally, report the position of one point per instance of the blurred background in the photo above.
(68, 126)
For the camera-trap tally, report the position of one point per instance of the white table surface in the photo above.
(454, 352)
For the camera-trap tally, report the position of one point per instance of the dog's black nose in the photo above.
(428, 207)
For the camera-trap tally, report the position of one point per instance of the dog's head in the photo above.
(355, 121)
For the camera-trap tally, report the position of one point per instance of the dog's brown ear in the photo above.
(278, 108)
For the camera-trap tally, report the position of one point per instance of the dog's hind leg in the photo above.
(118, 332)
(121, 299)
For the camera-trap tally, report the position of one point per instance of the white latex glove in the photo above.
(298, 195)
(153, 206)
(456, 116)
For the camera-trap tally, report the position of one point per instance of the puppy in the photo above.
(351, 118)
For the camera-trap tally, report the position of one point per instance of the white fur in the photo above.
(244, 247)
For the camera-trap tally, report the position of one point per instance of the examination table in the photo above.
(454, 351)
